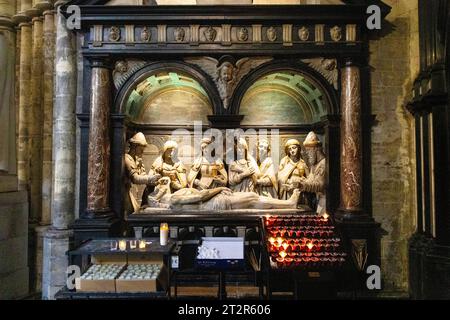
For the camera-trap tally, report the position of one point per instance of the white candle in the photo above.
(122, 245)
(163, 234)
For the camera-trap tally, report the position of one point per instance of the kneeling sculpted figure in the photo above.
(135, 172)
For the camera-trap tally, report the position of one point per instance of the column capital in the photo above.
(44, 5)
(101, 62)
(352, 62)
(37, 18)
(49, 12)
(20, 17)
(60, 3)
(331, 120)
(25, 24)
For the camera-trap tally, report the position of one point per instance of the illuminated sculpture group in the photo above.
(249, 183)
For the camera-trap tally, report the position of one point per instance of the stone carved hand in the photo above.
(154, 178)
(248, 172)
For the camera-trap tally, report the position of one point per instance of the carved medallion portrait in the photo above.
(243, 34)
(146, 35)
(336, 33)
(303, 33)
(210, 34)
(271, 34)
(114, 34)
(179, 34)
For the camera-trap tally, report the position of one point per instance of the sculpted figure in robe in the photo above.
(135, 172)
(243, 172)
(206, 173)
(266, 184)
(168, 165)
(315, 181)
(292, 169)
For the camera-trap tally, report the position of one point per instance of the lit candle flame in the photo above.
(310, 245)
(283, 254)
(280, 241)
(272, 240)
(326, 216)
(285, 246)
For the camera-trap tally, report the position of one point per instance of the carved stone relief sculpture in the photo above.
(210, 34)
(271, 34)
(179, 34)
(243, 34)
(146, 35)
(336, 33)
(114, 34)
(326, 67)
(303, 34)
(124, 69)
(226, 75)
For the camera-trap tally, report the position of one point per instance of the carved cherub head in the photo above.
(226, 71)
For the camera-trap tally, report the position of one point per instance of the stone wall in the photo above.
(395, 63)
(13, 245)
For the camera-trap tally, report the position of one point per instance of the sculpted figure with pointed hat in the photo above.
(315, 181)
(135, 172)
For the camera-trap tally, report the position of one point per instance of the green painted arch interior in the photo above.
(168, 98)
(283, 98)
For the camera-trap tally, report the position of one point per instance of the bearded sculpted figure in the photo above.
(315, 181)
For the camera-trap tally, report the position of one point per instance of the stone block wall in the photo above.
(395, 63)
(13, 245)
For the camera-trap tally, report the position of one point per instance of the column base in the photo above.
(39, 233)
(56, 245)
(98, 227)
(360, 236)
(352, 216)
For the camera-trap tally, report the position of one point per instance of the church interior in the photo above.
(243, 149)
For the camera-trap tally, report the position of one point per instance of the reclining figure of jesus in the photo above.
(220, 198)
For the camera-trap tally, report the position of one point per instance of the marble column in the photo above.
(99, 143)
(57, 238)
(351, 140)
(49, 56)
(24, 105)
(64, 127)
(35, 124)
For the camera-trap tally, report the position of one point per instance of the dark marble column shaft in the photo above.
(351, 140)
(99, 141)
